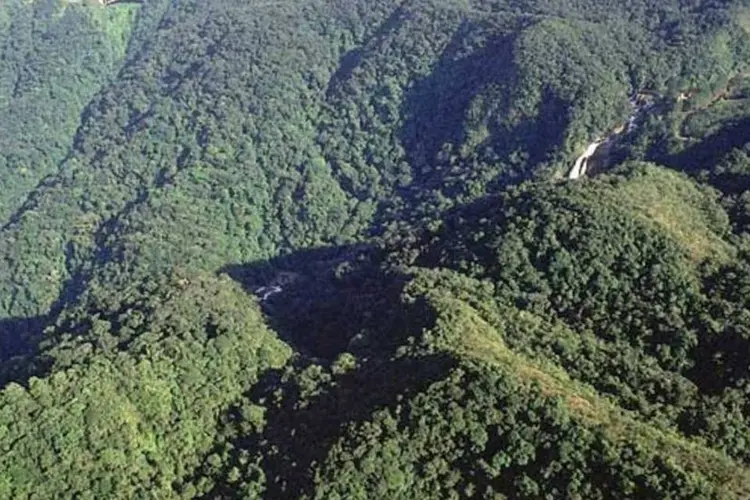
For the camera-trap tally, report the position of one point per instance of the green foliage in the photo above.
(56, 57)
(193, 304)
(133, 398)
(480, 433)
(269, 128)
(712, 119)
(591, 254)
(602, 279)
(467, 416)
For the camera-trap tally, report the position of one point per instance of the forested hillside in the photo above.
(55, 59)
(336, 249)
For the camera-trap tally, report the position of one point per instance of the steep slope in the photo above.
(55, 57)
(612, 289)
(458, 413)
(132, 406)
(325, 250)
(167, 148)
(329, 107)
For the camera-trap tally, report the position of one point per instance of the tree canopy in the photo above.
(329, 249)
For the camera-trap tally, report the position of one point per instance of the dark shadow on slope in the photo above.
(706, 160)
(443, 110)
(707, 153)
(720, 361)
(17, 335)
(297, 437)
(23, 340)
(720, 358)
(24, 344)
(352, 59)
(438, 107)
(322, 302)
(329, 300)
(19, 340)
(435, 108)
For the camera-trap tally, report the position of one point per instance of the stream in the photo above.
(642, 105)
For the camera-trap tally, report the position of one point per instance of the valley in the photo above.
(322, 249)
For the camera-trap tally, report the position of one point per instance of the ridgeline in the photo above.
(328, 249)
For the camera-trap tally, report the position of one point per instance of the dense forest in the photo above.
(334, 249)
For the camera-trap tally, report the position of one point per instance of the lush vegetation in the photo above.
(326, 249)
(54, 60)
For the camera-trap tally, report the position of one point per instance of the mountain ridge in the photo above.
(327, 250)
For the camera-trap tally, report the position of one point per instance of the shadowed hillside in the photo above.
(333, 249)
